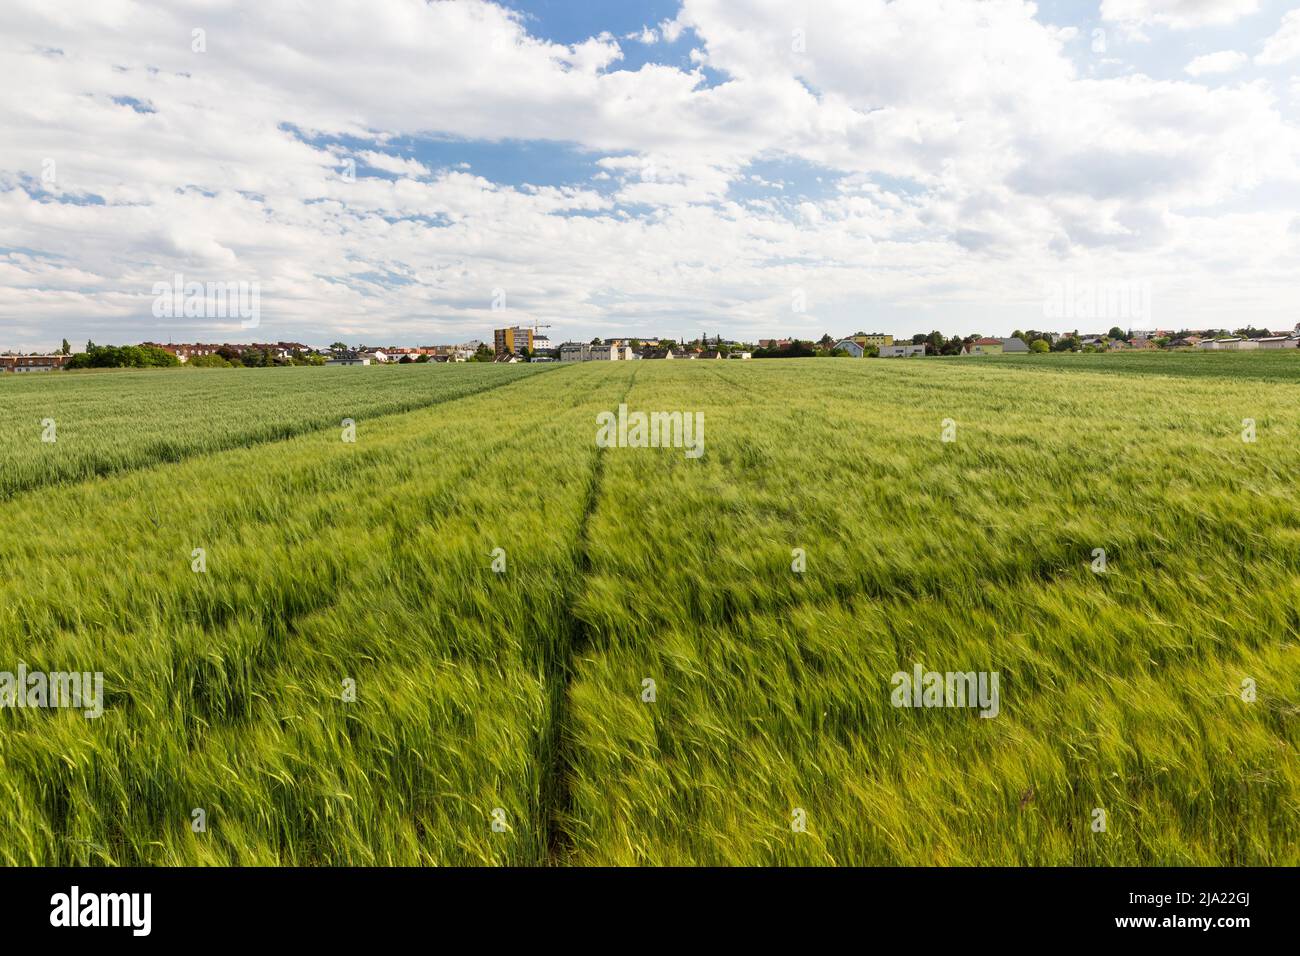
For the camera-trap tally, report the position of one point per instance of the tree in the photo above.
(208, 361)
(1116, 333)
(795, 349)
(123, 356)
(338, 347)
(67, 349)
(1040, 346)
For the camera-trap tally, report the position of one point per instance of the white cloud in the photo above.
(1178, 14)
(1225, 61)
(394, 164)
(1283, 45)
(962, 158)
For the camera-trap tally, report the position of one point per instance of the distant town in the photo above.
(529, 344)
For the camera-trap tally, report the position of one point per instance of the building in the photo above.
(282, 351)
(1229, 343)
(875, 338)
(186, 352)
(852, 346)
(1278, 342)
(1014, 346)
(741, 355)
(903, 351)
(983, 347)
(514, 340)
(1238, 344)
(376, 356)
(582, 352)
(348, 357)
(670, 354)
(32, 363)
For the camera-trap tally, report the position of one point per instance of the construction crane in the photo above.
(537, 327)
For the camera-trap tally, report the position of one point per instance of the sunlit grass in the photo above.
(522, 691)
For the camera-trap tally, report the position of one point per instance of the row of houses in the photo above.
(436, 353)
(617, 351)
(283, 351)
(32, 363)
(186, 351)
(1238, 343)
(1190, 340)
(857, 348)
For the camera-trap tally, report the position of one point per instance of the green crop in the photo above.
(685, 660)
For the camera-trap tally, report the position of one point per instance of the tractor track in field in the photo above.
(167, 454)
(557, 743)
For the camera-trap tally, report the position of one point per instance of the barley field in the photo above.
(476, 636)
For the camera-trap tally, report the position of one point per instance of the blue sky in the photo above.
(742, 167)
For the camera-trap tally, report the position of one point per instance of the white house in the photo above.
(1232, 343)
(903, 351)
(853, 348)
(349, 358)
(582, 352)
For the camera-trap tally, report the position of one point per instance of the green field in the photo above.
(518, 697)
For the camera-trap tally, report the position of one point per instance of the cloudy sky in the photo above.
(404, 172)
